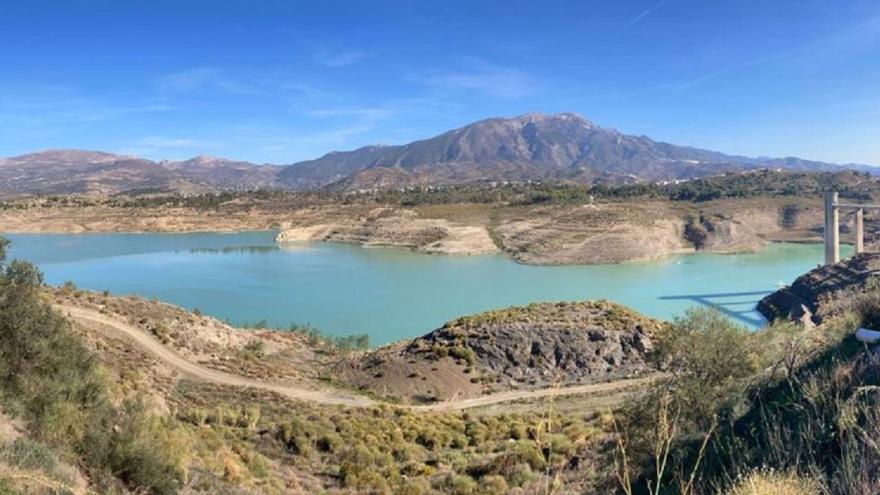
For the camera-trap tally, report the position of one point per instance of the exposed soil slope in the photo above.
(537, 346)
(311, 393)
(392, 227)
(556, 234)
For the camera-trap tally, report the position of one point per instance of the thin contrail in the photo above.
(646, 13)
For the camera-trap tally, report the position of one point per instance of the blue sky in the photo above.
(282, 81)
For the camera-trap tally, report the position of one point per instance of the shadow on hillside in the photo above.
(738, 309)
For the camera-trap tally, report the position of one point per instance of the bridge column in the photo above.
(832, 231)
(860, 231)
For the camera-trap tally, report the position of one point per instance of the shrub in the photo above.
(461, 485)
(27, 454)
(459, 352)
(492, 484)
(775, 483)
(709, 359)
(417, 486)
(57, 386)
(255, 348)
(329, 442)
(144, 451)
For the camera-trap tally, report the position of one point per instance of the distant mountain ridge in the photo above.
(529, 147)
(77, 171)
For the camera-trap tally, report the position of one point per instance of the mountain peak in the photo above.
(532, 146)
(205, 160)
(545, 117)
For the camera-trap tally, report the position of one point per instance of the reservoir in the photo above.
(391, 294)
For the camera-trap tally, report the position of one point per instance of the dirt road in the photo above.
(328, 396)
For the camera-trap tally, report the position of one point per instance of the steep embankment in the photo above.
(826, 291)
(389, 227)
(607, 232)
(539, 234)
(520, 348)
(592, 233)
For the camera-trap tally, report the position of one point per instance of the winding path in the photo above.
(327, 396)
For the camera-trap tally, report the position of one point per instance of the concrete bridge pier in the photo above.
(832, 229)
(860, 231)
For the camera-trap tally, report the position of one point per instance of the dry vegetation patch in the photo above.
(292, 356)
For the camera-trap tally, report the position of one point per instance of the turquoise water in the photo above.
(391, 294)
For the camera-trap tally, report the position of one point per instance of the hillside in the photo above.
(561, 147)
(93, 409)
(529, 147)
(540, 224)
(84, 172)
(88, 407)
(537, 346)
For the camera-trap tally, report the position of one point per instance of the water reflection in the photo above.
(740, 310)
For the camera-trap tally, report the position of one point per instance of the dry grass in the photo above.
(776, 483)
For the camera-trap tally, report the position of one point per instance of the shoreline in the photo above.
(536, 235)
(287, 244)
(401, 327)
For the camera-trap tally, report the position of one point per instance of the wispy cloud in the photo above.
(479, 75)
(170, 142)
(166, 148)
(57, 106)
(814, 54)
(338, 59)
(646, 13)
(202, 78)
(279, 145)
(305, 90)
(369, 113)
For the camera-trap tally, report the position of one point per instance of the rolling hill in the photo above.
(529, 147)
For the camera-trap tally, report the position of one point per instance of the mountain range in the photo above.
(529, 147)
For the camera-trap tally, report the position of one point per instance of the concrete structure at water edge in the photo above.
(832, 244)
(832, 226)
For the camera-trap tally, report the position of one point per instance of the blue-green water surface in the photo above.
(391, 294)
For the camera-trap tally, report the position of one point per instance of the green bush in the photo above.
(417, 486)
(459, 352)
(492, 484)
(50, 379)
(709, 359)
(461, 484)
(28, 454)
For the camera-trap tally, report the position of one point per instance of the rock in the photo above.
(826, 291)
(567, 341)
(596, 334)
(535, 346)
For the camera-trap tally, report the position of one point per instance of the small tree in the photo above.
(709, 359)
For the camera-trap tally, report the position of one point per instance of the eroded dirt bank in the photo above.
(596, 232)
(391, 227)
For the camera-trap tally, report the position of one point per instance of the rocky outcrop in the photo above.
(522, 347)
(542, 343)
(824, 292)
